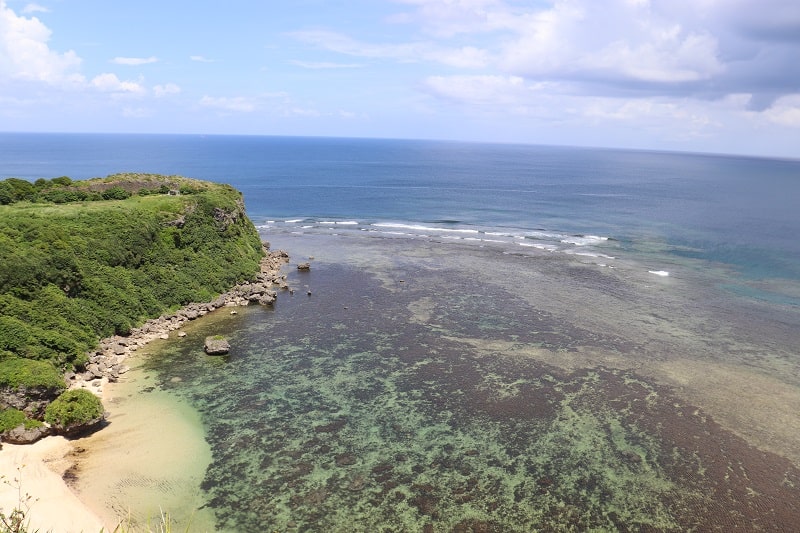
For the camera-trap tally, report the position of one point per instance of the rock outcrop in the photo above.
(79, 429)
(216, 346)
(31, 400)
(23, 435)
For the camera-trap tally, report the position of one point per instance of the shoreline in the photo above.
(129, 473)
(53, 505)
(106, 363)
(33, 474)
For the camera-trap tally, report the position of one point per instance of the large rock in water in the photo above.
(216, 346)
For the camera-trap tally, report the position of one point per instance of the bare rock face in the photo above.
(216, 346)
(33, 400)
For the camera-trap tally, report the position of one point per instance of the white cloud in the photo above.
(112, 84)
(449, 18)
(617, 42)
(35, 8)
(464, 57)
(624, 48)
(201, 59)
(165, 90)
(668, 59)
(239, 104)
(134, 61)
(460, 57)
(785, 111)
(25, 54)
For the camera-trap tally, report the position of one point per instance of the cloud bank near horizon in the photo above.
(710, 75)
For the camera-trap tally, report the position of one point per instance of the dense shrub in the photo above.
(11, 418)
(74, 273)
(62, 181)
(116, 193)
(77, 406)
(16, 372)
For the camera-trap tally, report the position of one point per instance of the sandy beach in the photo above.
(53, 506)
(121, 474)
(151, 458)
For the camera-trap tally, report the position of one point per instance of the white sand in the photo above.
(53, 506)
(151, 457)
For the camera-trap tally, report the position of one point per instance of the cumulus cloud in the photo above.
(112, 84)
(704, 49)
(26, 55)
(134, 61)
(785, 111)
(165, 90)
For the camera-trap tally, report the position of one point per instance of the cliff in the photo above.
(85, 260)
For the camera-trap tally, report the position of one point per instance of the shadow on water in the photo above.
(342, 411)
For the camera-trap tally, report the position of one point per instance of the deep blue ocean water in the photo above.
(739, 213)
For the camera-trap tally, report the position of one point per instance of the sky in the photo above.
(719, 76)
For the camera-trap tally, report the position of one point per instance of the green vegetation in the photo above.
(16, 372)
(83, 260)
(63, 190)
(77, 406)
(11, 418)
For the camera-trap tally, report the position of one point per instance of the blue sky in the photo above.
(697, 75)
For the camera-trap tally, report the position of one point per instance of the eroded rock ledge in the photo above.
(107, 362)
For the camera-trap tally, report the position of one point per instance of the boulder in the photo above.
(95, 370)
(268, 298)
(20, 435)
(304, 266)
(80, 429)
(216, 346)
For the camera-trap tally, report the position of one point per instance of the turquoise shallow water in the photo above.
(417, 390)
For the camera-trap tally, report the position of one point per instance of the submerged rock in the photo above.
(216, 346)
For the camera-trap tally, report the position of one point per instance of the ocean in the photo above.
(491, 337)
